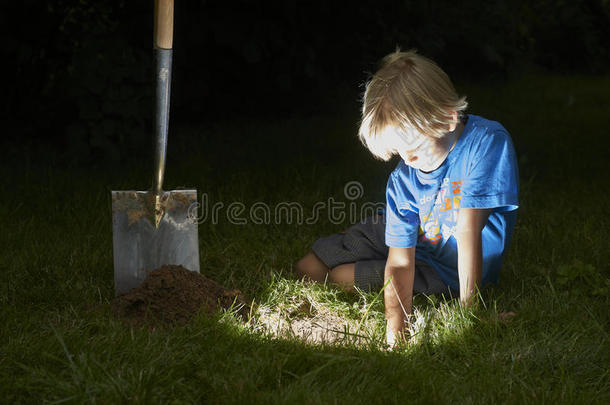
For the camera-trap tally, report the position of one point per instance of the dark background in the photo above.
(81, 72)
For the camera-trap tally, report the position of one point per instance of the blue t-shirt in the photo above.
(479, 172)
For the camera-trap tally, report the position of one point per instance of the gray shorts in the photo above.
(364, 245)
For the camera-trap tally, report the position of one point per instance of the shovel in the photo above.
(155, 228)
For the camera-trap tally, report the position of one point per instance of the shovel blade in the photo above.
(140, 247)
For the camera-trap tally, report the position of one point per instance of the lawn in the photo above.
(61, 343)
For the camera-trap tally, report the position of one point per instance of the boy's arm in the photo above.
(398, 293)
(471, 222)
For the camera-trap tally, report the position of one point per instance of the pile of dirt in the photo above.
(173, 294)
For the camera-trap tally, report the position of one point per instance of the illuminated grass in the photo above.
(319, 314)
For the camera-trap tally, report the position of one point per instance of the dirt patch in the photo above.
(312, 324)
(173, 294)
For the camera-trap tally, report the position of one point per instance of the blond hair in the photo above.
(408, 92)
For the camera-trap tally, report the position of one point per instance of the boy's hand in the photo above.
(390, 339)
(396, 333)
(398, 291)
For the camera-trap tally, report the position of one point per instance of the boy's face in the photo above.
(419, 151)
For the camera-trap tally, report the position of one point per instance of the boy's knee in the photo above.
(301, 267)
(311, 267)
(304, 267)
(342, 274)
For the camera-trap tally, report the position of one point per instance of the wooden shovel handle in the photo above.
(164, 24)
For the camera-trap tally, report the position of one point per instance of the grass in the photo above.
(60, 343)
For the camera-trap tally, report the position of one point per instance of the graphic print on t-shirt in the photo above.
(443, 211)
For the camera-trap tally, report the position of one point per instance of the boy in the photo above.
(450, 203)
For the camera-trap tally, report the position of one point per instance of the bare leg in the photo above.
(311, 267)
(343, 275)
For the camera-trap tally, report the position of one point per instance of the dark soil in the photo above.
(173, 294)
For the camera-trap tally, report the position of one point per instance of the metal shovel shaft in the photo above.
(163, 58)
